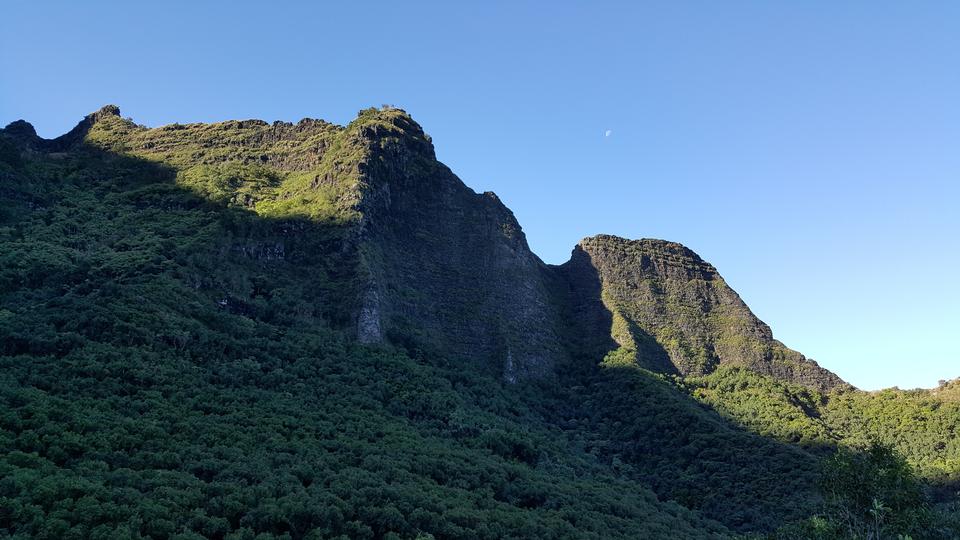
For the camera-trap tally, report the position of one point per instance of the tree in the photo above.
(874, 494)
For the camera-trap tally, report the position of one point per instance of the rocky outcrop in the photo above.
(675, 313)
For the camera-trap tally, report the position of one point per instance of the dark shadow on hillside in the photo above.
(945, 492)
(653, 430)
(591, 322)
(587, 322)
(657, 434)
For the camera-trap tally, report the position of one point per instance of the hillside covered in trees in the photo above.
(247, 330)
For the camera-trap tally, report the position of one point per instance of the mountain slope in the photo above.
(675, 314)
(310, 330)
(172, 365)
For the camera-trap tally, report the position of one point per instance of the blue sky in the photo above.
(809, 150)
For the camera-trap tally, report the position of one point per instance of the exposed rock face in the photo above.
(676, 314)
(415, 257)
(368, 321)
(451, 267)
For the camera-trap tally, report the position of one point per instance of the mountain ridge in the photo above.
(380, 173)
(665, 291)
(351, 342)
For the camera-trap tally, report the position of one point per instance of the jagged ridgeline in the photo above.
(409, 254)
(310, 330)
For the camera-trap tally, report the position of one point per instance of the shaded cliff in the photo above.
(445, 267)
(674, 313)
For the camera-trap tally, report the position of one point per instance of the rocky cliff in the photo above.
(443, 266)
(414, 257)
(674, 313)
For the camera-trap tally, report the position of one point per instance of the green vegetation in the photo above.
(922, 425)
(874, 494)
(176, 361)
(784, 411)
(871, 493)
(911, 434)
(690, 454)
(171, 365)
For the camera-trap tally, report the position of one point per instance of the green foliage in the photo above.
(874, 493)
(175, 306)
(231, 183)
(690, 454)
(173, 365)
(923, 426)
(771, 408)
(868, 490)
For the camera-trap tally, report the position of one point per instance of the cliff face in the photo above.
(412, 256)
(451, 268)
(446, 267)
(673, 312)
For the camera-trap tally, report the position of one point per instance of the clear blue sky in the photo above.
(810, 150)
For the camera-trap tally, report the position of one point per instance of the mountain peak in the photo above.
(390, 125)
(27, 134)
(673, 312)
(106, 111)
(21, 129)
